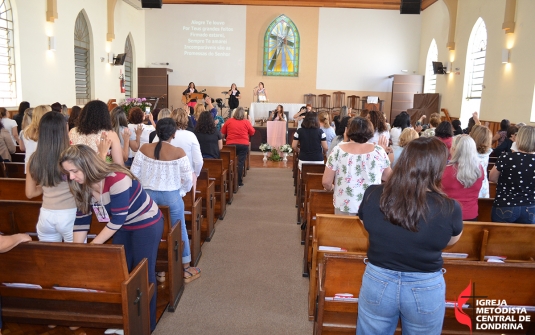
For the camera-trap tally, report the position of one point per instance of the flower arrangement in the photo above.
(134, 102)
(286, 148)
(264, 147)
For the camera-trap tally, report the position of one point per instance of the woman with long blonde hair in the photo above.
(30, 134)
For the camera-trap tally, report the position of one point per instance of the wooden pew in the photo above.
(14, 170)
(122, 300)
(341, 231)
(312, 182)
(207, 189)
(22, 216)
(228, 165)
(305, 174)
(18, 157)
(342, 273)
(234, 159)
(193, 214)
(485, 209)
(305, 168)
(218, 174)
(320, 202)
(14, 189)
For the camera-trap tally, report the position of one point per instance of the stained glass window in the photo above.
(281, 48)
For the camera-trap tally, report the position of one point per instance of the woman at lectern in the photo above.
(278, 114)
(234, 96)
(260, 93)
(191, 89)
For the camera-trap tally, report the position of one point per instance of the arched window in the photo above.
(82, 60)
(128, 67)
(431, 78)
(475, 71)
(8, 87)
(281, 48)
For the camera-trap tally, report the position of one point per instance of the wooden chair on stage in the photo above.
(339, 99)
(324, 103)
(353, 102)
(310, 99)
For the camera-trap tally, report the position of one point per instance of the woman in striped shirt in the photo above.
(116, 197)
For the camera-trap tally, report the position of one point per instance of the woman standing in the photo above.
(444, 132)
(30, 134)
(58, 211)
(407, 234)
(353, 166)
(325, 125)
(402, 121)
(94, 120)
(187, 141)
(7, 147)
(234, 97)
(501, 135)
(117, 197)
(311, 140)
(260, 92)
(166, 175)
(73, 118)
(483, 137)
(119, 123)
(379, 125)
(515, 175)
(23, 106)
(407, 135)
(464, 176)
(10, 125)
(210, 139)
(340, 133)
(191, 89)
(237, 131)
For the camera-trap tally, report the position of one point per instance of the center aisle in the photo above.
(251, 279)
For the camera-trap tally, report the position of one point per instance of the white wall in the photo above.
(508, 91)
(48, 76)
(359, 48)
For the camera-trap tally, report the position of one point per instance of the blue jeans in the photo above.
(176, 207)
(516, 214)
(139, 244)
(386, 295)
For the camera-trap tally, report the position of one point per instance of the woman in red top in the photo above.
(237, 131)
(463, 176)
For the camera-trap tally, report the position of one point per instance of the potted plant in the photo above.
(265, 148)
(285, 149)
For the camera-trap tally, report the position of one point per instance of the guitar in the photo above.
(186, 98)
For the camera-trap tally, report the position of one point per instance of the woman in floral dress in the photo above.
(353, 166)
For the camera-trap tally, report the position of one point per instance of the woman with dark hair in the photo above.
(457, 130)
(210, 139)
(58, 211)
(260, 92)
(166, 175)
(278, 114)
(237, 131)
(402, 121)
(116, 196)
(311, 140)
(501, 135)
(409, 222)
(73, 118)
(191, 89)
(340, 134)
(444, 132)
(7, 147)
(139, 131)
(94, 120)
(379, 125)
(353, 166)
(507, 143)
(23, 106)
(344, 111)
(233, 97)
(515, 175)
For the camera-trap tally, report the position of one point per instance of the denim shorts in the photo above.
(418, 298)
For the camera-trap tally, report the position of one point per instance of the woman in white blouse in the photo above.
(165, 174)
(187, 141)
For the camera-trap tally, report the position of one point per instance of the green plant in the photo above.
(264, 147)
(275, 157)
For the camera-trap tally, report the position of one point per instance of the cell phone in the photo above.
(147, 110)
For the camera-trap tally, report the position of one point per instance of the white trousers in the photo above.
(56, 225)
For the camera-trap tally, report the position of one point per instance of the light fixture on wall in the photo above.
(505, 56)
(51, 43)
(110, 58)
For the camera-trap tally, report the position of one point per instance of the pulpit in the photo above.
(276, 133)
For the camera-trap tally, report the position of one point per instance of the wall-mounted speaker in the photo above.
(410, 6)
(151, 3)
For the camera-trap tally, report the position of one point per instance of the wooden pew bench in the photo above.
(342, 273)
(207, 189)
(485, 209)
(193, 215)
(320, 202)
(313, 181)
(121, 300)
(14, 170)
(218, 174)
(14, 189)
(228, 165)
(234, 159)
(305, 168)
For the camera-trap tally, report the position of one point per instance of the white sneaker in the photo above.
(110, 331)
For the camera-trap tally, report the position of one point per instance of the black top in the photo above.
(18, 118)
(504, 147)
(516, 184)
(395, 248)
(187, 92)
(233, 101)
(209, 143)
(310, 143)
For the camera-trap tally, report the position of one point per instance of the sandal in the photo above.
(188, 276)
